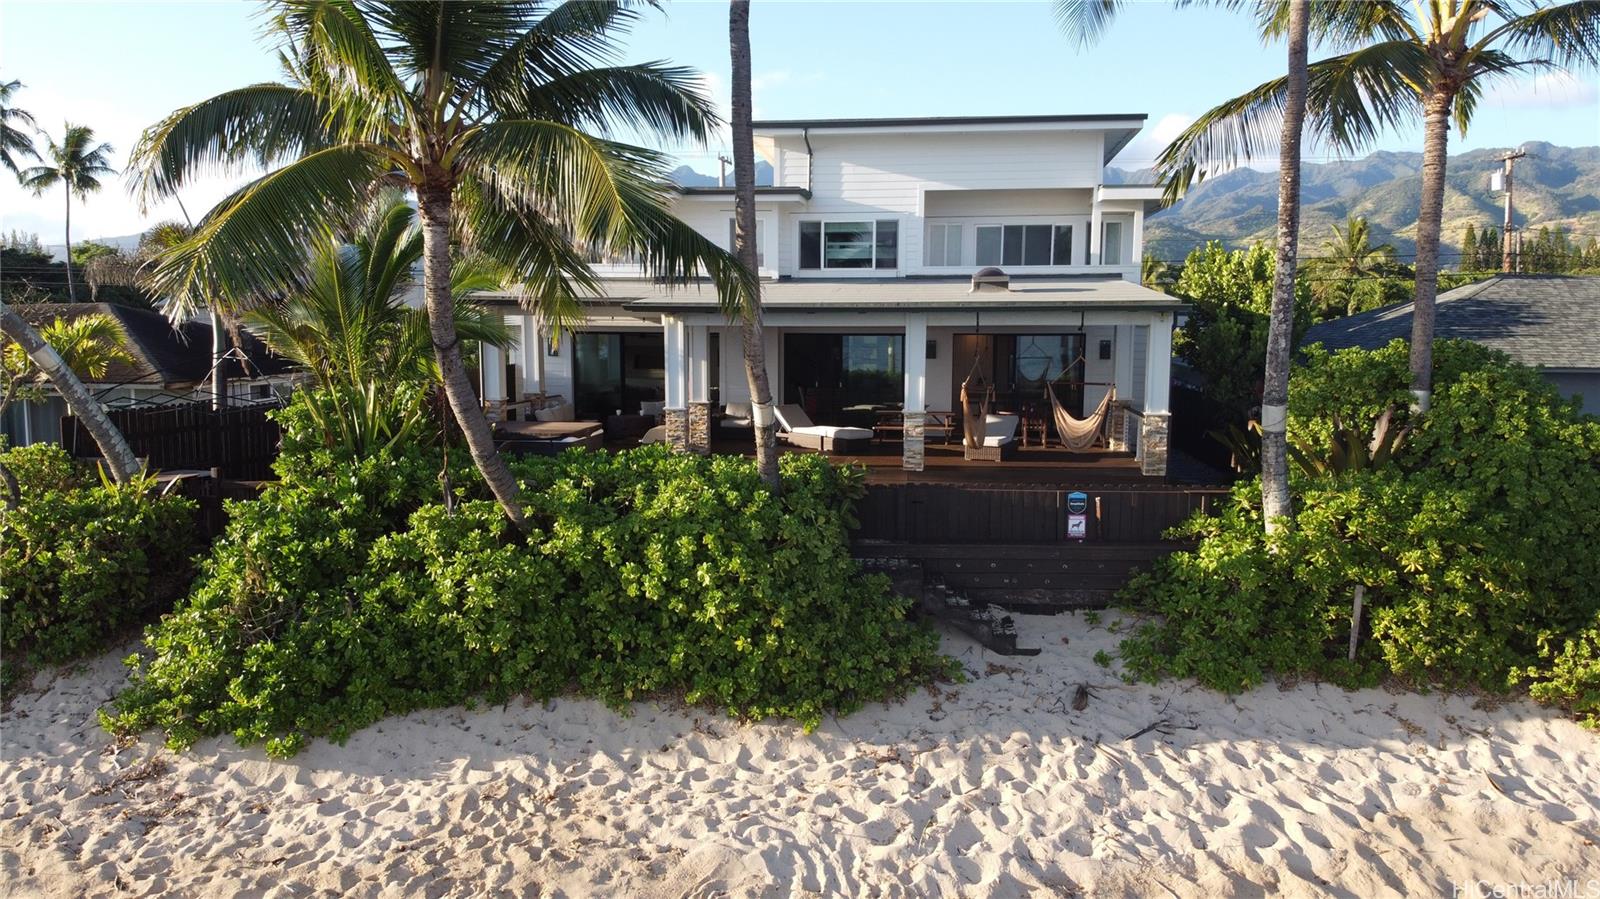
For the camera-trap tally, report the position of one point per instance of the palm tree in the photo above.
(78, 164)
(1346, 260)
(484, 110)
(744, 243)
(31, 345)
(14, 140)
(87, 345)
(367, 352)
(1179, 165)
(1433, 58)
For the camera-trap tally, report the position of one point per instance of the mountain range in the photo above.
(1554, 186)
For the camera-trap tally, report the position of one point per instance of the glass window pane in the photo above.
(811, 245)
(1111, 246)
(888, 250)
(1013, 247)
(847, 245)
(934, 245)
(952, 245)
(1036, 245)
(1063, 247)
(989, 245)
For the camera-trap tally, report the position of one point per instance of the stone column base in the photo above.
(700, 428)
(677, 422)
(494, 410)
(1153, 443)
(912, 450)
(1117, 428)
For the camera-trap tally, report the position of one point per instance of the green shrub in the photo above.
(1477, 545)
(81, 561)
(336, 600)
(1571, 677)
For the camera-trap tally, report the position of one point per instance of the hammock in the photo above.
(975, 420)
(1076, 433)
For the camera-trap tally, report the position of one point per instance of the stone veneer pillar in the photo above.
(1117, 428)
(677, 422)
(912, 450)
(700, 428)
(1153, 443)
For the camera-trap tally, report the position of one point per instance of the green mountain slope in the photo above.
(1554, 186)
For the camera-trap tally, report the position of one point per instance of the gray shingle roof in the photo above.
(172, 357)
(1547, 320)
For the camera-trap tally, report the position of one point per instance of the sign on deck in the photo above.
(1077, 515)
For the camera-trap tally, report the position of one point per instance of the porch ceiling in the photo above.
(904, 294)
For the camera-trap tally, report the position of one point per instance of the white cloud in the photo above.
(1141, 152)
(1547, 90)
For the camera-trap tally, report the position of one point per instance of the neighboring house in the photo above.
(868, 242)
(168, 365)
(1549, 321)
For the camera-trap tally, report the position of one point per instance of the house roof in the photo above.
(1547, 320)
(906, 294)
(172, 358)
(945, 121)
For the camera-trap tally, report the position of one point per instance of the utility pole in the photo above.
(722, 169)
(1508, 254)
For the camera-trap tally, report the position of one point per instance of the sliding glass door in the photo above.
(615, 372)
(844, 379)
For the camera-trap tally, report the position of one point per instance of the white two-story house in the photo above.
(868, 240)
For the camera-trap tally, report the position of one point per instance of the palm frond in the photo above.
(259, 126)
(1566, 34)
(251, 244)
(663, 99)
(1084, 21)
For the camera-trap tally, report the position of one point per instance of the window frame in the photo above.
(1020, 230)
(1105, 242)
(876, 263)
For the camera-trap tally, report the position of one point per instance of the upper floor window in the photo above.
(1016, 245)
(761, 241)
(944, 245)
(850, 245)
(1111, 244)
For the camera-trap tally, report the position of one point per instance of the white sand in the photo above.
(994, 788)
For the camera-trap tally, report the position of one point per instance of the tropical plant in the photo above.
(1349, 274)
(118, 455)
(14, 142)
(367, 352)
(87, 344)
(744, 244)
(1157, 273)
(488, 112)
(1432, 59)
(77, 164)
(1203, 147)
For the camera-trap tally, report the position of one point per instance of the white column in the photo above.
(1137, 256)
(916, 395)
(493, 369)
(1158, 365)
(1096, 230)
(699, 364)
(532, 356)
(677, 386)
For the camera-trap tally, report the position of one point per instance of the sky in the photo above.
(128, 64)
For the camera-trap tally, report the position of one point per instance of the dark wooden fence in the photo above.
(947, 514)
(241, 442)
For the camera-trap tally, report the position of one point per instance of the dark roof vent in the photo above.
(991, 278)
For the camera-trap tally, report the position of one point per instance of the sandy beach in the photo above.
(998, 787)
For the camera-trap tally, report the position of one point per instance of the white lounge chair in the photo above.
(797, 428)
(999, 438)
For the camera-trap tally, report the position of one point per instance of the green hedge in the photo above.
(349, 593)
(1479, 544)
(82, 562)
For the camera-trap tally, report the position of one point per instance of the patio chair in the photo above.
(736, 417)
(795, 427)
(999, 438)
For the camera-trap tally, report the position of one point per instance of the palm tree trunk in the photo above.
(744, 242)
(72, 290)
(1275, 504)
(1435, 143)
(118, 455)
(434, 209)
